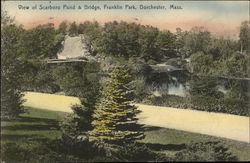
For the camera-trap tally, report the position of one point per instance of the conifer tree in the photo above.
(114, 119)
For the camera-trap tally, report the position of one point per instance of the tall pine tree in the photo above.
(115, 119)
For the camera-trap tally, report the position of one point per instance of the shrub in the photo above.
(209, 151)
(236, 106)
(201, 102)
(140, 87)
(167, 100)
(161, 157)
(32, 152)
(135, 153)
(206, 103)
(12, 152)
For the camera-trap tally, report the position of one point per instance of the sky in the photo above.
(221, 18)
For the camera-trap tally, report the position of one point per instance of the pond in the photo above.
(183, 90)
(179, 83)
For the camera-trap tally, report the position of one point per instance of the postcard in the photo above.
(125, 81)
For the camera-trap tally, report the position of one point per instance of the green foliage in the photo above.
(38, 76)
(77, 79)
(237, 65)
(63, 28)
(114, 118)
(119, 39)
(85, 112)
(130, 40)
(165, 44)
(167, 100)
(204, 86)
(70, 128)
(73, 29)
(201, 63)
(245, 36)
(220, 58)
(197, 40)
(76, 126)
(49, 151)
(135, 153)
(5, 18)
(221, 48)
(71, 79)
(147, 41)
(92, 35)
(203, 94)
(41, 42)
(11, 71)
(13, 152)
(209, 151)
(140, 87)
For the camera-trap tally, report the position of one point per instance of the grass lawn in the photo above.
(173, 140)
(37, 126)
(34, 126)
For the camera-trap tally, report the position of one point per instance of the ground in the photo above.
(215, 124)
(39, 125)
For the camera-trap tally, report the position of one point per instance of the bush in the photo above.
(167, 100)
(161, 157)
(201, 102)
(69, 127)
(206, 103)
(12, 152)
(209, 151)
(136, 153)
(32, 152)
(236, 106)
(77, 149)
(140, 87)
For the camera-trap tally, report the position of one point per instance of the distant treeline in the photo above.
(142, 44)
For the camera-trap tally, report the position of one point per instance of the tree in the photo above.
(120, 39)
(92, 34)
(197, 39)
(84, 82)
(237, 65)
(114, 119)
(201, 63)
(165, 44)
(73, 29)
(147, 42)
(41, 42)
(245, 36)
(63, 27)
(221, 48)
(77, 125)
(11, 70)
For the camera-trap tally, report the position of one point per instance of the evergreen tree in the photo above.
(114, 119)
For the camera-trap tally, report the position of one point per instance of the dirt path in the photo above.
(50, 101)
(215, 124)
